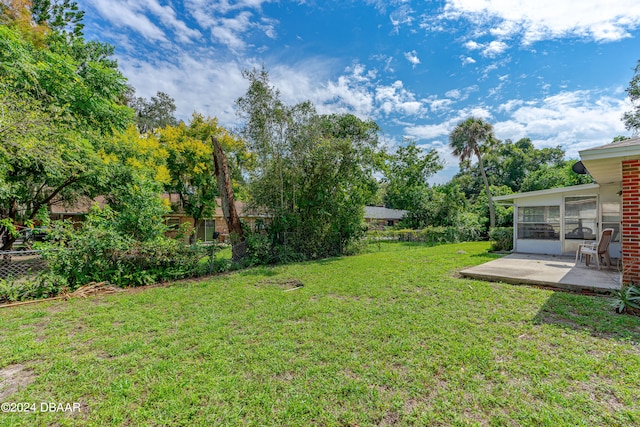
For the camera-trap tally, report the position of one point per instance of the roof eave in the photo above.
(582, 187)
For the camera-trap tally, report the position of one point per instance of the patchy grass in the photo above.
(391, 337)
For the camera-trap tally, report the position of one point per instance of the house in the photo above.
(206, 228)
(378, 217)
(557, 220)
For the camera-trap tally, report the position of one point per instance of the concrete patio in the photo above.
(547, 270)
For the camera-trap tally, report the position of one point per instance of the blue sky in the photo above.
(551, 70)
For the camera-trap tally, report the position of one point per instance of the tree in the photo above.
(632, 118)
(191, 166)
(437, 206)
(312, 173)
(223, 178)
(554, 176)
(507, 163)
(59, 110)
(407, 172)
(59, 15)
(154, 113)
(466, 141)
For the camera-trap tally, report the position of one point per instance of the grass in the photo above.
(392, 337)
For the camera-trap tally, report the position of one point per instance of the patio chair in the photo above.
(597, 250)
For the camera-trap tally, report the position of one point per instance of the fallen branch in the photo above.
(88, 290)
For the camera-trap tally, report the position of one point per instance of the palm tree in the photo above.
(465, 141)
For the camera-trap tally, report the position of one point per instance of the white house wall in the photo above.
(606, 193)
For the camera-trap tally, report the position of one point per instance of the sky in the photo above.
(554, 71)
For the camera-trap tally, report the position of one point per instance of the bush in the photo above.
(44, 285)
(501, 238)
(259, 249)
(432, 235)
(281, 248)
(264, 249)
(140, 263)
(98, 252)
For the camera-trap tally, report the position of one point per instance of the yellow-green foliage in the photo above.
(144, 153)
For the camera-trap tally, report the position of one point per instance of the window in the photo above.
(611, 218)
(581, 218)
(206, 230)
(539, 222)
(173, 223)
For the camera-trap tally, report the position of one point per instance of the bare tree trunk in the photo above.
(238, 244)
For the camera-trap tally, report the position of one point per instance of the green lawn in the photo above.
(392, 337)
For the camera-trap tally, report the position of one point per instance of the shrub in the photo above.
(432, 235)
(259, 249)
(265, 249)
(501, 238)
(44, 285)
(98, 252)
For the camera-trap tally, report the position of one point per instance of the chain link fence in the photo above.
(17, 264)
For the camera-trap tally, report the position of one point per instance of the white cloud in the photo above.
(440, 105)
(468, 60)
(430, 131)
(574, 120)
(549, 19)
(454, 93)
(230, 22)
(223, 7)
(396, 99)
(488, 50)
(198, 83)
(401, 16)
(228, 31)
(443, 129)
(494, 49)
(412, 57)
(167, 15)
(124, 14)
(472, 45)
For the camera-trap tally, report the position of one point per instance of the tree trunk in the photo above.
(6, 238)
(238, 244)
(492, 213)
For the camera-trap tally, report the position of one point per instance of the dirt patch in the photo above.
(13, 378)
(285, 284)
(600, 390)
(391, 418)
(410, 405)
(286, 376)
(455, 274)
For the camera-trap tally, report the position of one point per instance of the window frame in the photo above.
(539, 228)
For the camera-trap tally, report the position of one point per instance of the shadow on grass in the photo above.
(589, 313)
(327, 261)
(398, 245)
(260, 271)
(488, 256)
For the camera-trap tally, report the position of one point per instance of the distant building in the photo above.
(378, 217)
